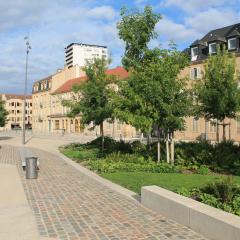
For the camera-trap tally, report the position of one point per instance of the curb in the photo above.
(123, 191)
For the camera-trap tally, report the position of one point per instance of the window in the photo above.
(213, 126)
(57, 124)
(232, 43)
(212, 48)
(194, 53)
(195, 73)
(118, 125)
(195, 125)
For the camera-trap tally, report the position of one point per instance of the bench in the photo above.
(26, 153)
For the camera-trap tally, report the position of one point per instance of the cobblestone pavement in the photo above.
(69, 205)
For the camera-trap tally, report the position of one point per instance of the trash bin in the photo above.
(31, 168)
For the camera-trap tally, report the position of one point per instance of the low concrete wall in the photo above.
(211, 222)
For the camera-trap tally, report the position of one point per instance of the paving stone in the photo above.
(69, 205)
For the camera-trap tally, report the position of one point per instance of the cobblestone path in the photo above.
(69, 205)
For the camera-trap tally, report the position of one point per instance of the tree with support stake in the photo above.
(93, 97)
(153, 94)
(217, 92)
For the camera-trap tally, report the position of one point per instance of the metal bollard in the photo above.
(31, 168)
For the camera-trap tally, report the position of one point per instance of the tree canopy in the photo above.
(92, 101)
(152, 94)
(137, 29)
(218, 93)
(3, 114)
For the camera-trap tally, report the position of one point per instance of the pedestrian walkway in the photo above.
(16, 218)
(70, 205)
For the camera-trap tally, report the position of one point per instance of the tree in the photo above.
(218, 95)
(152, 94)
(137, 29)
(92, 101)
(3, 114)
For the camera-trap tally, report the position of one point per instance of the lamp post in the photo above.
(28, 47)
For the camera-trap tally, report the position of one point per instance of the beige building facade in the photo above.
(14, 104)
(199, 128)
(50, 116)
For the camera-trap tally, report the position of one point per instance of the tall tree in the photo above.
(91, 98)
(3, 114)
(152, 94)
(137, 29)
(218, 93)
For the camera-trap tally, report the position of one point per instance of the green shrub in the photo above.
(236, 204)
(223, 194)
(224, 189)
(222, 157)
(81, 155)
(193, 153)
(110, 166)
(203, 170)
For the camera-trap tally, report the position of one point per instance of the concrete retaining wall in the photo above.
(211, 222)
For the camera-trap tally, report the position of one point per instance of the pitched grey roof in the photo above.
(220, 34)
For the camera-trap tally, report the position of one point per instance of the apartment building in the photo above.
(199, 50)
(14, 104)
(50, 116)
(79, 54)
(43, 103)
(59, 119)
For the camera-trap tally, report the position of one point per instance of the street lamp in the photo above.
(28, 47)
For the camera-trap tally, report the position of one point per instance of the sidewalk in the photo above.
(69, 204)
(16, 219)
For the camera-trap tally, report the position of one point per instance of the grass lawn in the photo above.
(80, 156)
(172, 181)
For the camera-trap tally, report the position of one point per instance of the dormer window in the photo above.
(232, 43)
(194, 53)
(213, 48)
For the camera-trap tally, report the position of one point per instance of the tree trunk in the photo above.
(167, 148)
(172, 150)
(224, 131)
(159, 147)
(149, 142)
(113, 130)
(159, 151)
(229, 130)
(102, 135)
(206, 129)
(217, 131)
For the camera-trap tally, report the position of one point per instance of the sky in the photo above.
(53, 24)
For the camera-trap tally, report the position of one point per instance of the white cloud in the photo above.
(54, 27)
(16, 13)
(194, 6)
(179, 33)
(211, 19)
(103, 12)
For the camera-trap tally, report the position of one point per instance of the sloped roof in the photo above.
(220, 34)
(234, 33)
(16, 96)
(197, 42)
(119, 72)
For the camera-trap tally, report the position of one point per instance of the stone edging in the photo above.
(127, 193)
(211, 222)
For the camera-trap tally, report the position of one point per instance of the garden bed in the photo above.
(134, 165)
